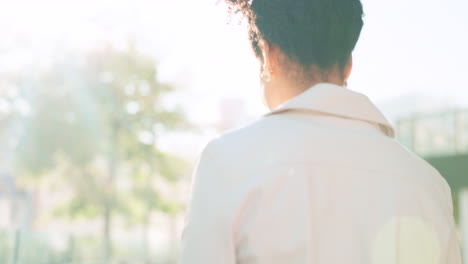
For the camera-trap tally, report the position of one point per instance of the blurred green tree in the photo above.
(95, 117)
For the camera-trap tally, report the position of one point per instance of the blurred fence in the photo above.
(438, 134)
(26, 247)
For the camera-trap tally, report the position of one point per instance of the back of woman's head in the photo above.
(319, 33)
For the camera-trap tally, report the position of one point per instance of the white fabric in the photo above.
(319, 180)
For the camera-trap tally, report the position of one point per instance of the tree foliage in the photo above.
(98, 117)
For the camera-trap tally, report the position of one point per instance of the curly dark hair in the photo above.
(311, 32)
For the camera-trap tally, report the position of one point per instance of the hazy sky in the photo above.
(406, 47)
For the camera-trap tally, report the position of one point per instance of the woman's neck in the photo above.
(289, 88)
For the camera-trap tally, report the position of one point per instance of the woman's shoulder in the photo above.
(251, 134)
(263, 137)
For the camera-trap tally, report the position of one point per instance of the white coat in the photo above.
(319, 180)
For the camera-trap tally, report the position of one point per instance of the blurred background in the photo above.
(105, 105)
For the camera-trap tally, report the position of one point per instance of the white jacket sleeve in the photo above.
(207, 236)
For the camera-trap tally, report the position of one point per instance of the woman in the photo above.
(320, 179)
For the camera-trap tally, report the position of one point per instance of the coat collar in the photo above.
(334, 100)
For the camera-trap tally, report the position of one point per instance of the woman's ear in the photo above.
(266, 54)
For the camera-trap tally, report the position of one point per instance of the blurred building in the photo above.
(402, 107)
